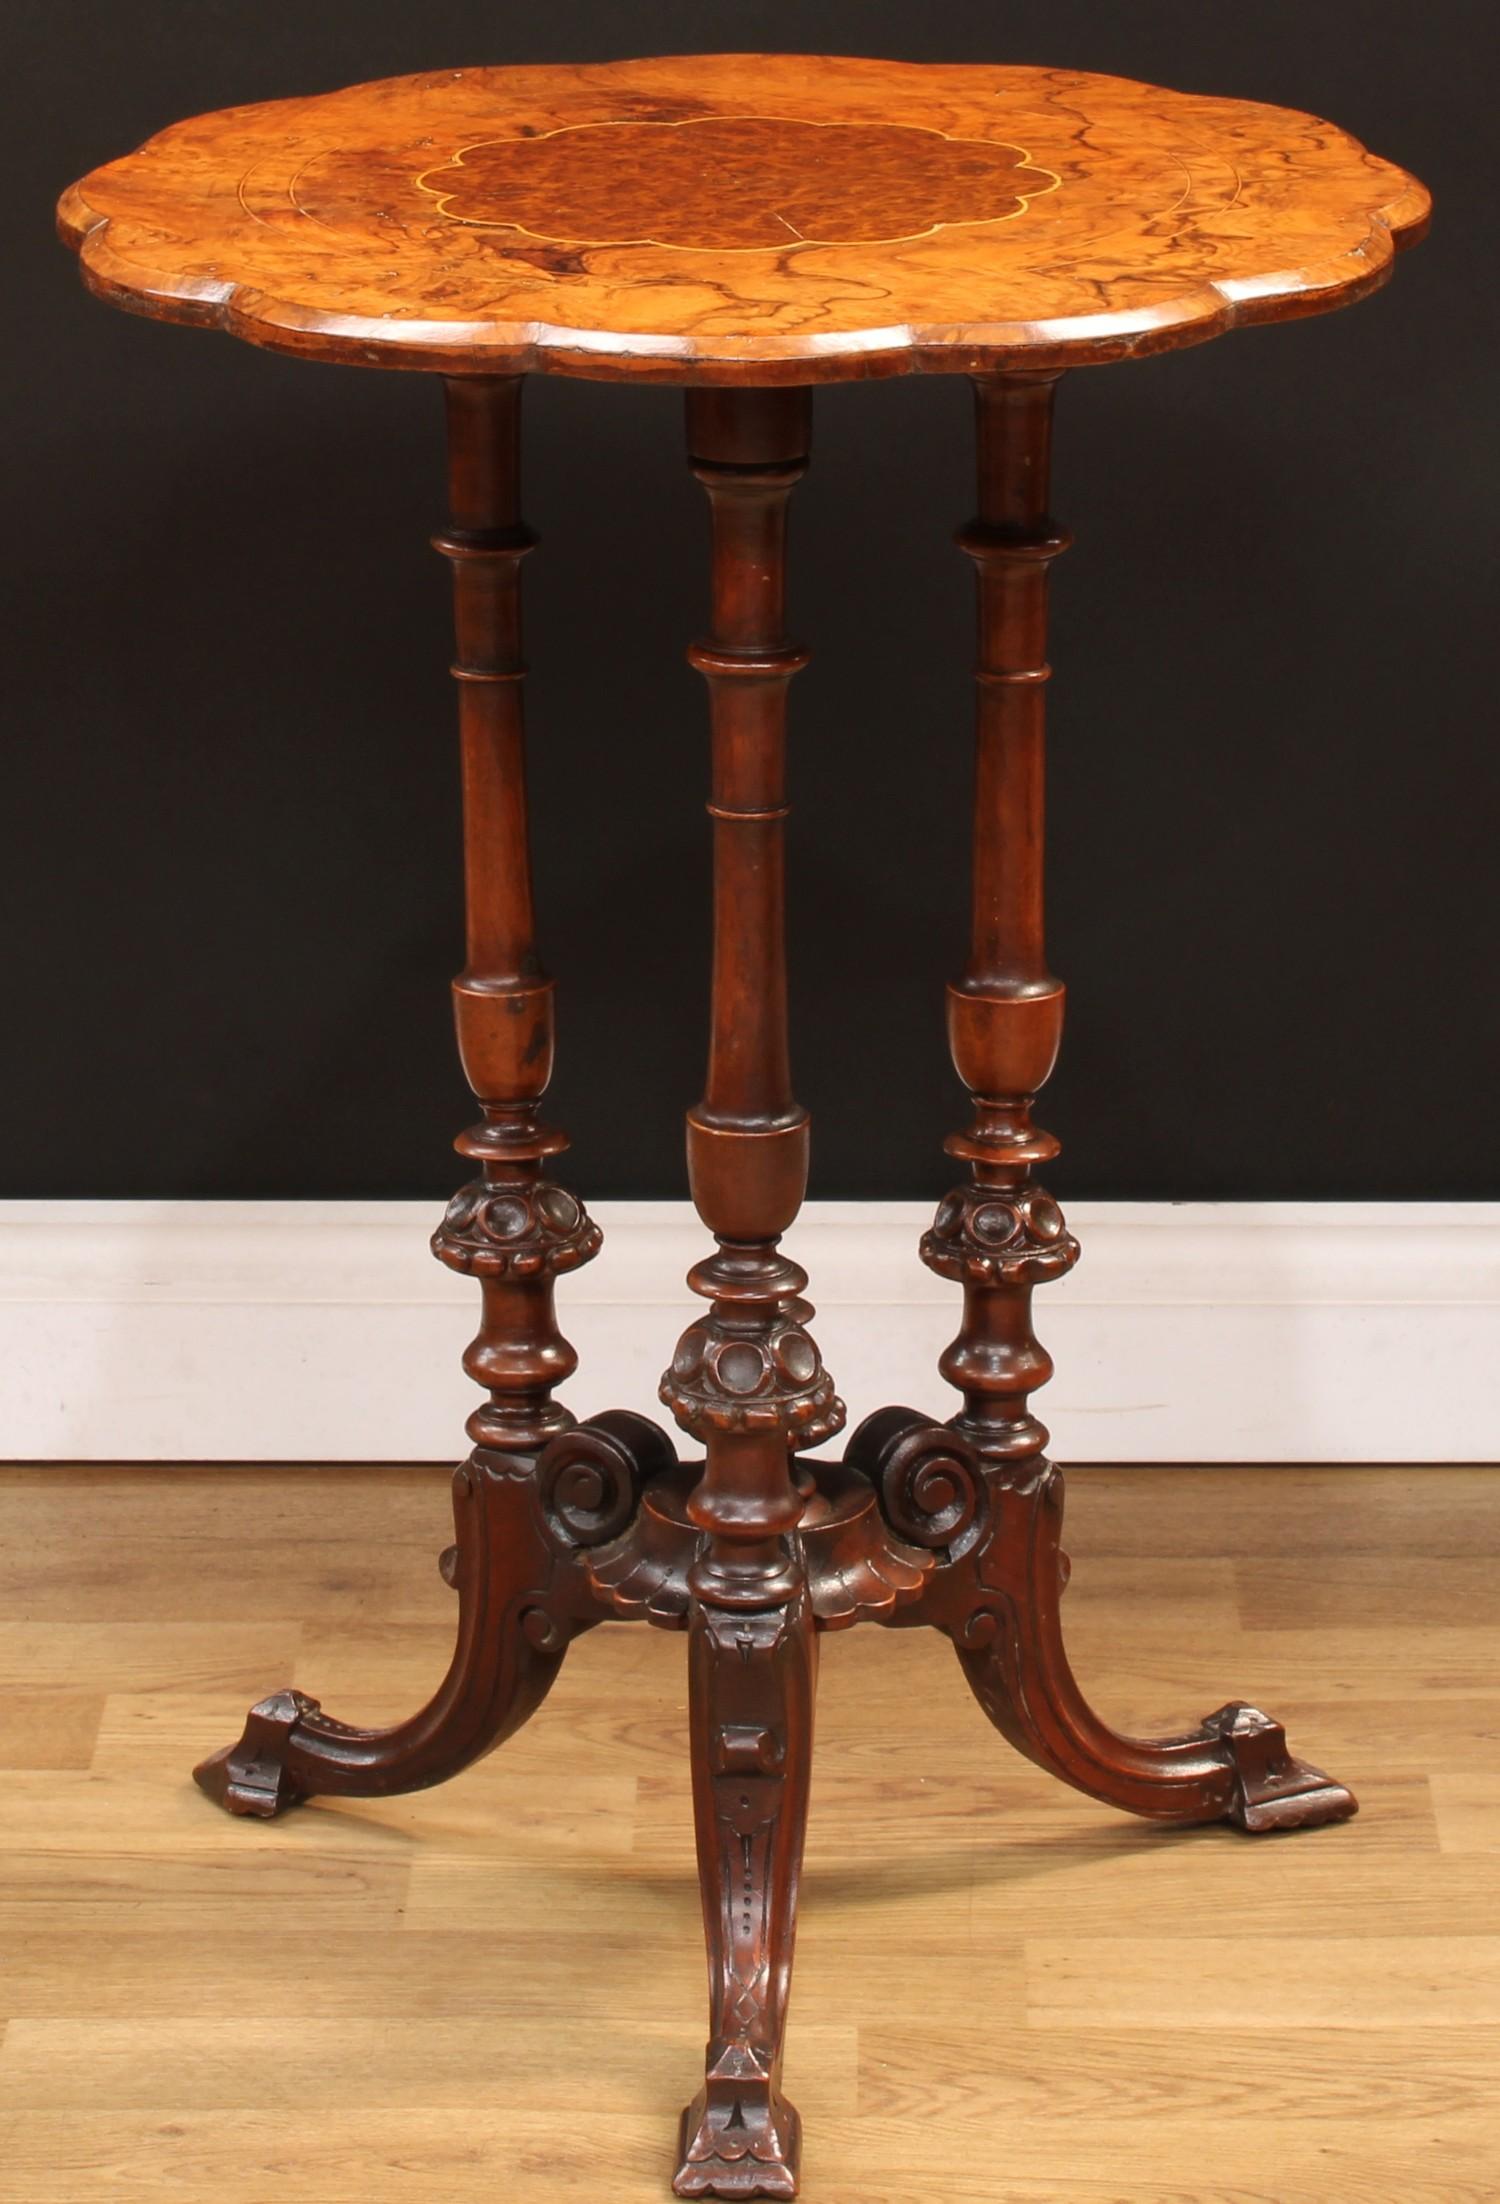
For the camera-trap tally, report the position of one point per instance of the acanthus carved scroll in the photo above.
(590, 1479)
(929, 1482)
(523, 1229)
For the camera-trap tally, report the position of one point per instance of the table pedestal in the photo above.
(558, 1525)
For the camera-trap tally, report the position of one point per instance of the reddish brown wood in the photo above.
(979, 1492)
(858, 1569)
(752, 1675)
(627, 222)
(993, 1529)
(747, 1379)
(511, 1228)
(1002, 1233)
(519, 1603)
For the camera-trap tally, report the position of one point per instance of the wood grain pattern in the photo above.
(378, 1993)
(750, 218)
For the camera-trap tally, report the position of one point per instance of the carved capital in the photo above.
(523, 1229)
(1010, 1236)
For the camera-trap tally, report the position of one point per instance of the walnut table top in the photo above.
(741, 218)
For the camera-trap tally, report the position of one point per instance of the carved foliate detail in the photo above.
(1000, 1601)
(515, 1230)
(752, 1737)
(739, 2137)
(857, 1568)
(870, 1580)
(1009, 1236)
(643, 1575)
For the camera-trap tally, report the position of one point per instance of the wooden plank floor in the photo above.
(1005, 1994)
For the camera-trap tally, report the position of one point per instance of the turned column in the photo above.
(1002, 1234)
(746, 1379)
(510, 1227)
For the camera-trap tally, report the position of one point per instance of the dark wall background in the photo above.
(231, 832)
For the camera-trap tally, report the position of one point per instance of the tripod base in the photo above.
(911, 1528)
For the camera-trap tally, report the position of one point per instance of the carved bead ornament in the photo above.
(519, 1230)
(728, 1377)
(1017, 1236)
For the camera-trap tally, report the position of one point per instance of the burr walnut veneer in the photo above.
(749, 227)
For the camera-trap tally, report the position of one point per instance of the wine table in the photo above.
(749, 227)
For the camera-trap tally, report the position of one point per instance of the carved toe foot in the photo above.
(739, 2137)
(1272, 1790)
(251, 1777)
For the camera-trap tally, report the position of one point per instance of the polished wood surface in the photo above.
(749, 1550)
(746, 1380)
(616, 221)
(1006, 1994)
(979, 1492)
(513, 1228)
(753, 218)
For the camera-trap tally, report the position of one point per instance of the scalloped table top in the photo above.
(741, 218)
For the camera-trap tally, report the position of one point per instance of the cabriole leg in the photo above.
(746, 1379)
(979, 1491)
(520, 1595)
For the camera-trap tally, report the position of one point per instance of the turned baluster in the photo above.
(980, 1493)
(1002, 1234)
(511, 1228)
(747, 1379)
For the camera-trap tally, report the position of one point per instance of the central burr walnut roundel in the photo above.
(720, 183)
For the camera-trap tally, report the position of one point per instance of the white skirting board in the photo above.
(324, 1331)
